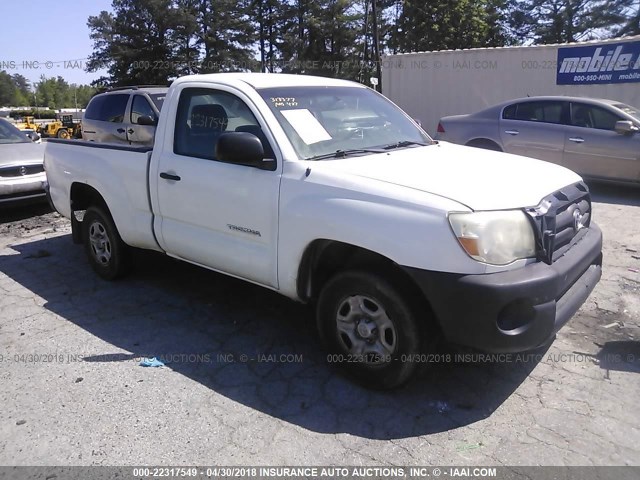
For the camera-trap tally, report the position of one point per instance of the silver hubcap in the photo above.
(365, 329)
(100, 244)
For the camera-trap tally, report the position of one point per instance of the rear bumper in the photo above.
(517, 310)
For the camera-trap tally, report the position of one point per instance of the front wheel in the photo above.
(108, 255)
(369, 328)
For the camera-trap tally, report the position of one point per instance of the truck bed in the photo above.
(118, 173)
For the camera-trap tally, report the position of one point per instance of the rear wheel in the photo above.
(63, 133)
(108, 255)
(369, 328)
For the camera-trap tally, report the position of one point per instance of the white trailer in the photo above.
(431, 85)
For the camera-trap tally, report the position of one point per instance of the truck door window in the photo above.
(204, 115)
(139, 108)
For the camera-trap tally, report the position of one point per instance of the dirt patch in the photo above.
(27, 221)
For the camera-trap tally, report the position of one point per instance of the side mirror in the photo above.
(33, 136)
(147, 120)
(243, 148)
(625, 127)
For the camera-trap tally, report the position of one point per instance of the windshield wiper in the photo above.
(403, 143)
(344, 153)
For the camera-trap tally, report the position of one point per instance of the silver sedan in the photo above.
(22, 176)
(596, 138)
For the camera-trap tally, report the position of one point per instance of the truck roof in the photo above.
(268, 80)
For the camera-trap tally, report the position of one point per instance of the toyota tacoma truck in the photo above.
(326, 192)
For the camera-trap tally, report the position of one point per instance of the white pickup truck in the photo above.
(326, 192)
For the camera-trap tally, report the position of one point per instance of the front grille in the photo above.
(559, 219)
(21, 170)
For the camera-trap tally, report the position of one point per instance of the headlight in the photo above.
(498, 238)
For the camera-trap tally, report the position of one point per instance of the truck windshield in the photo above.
(321, 121)
(10, 134)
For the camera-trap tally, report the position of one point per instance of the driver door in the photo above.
(220, 215)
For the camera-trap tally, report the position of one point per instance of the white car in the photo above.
(22, 176)
(32, 135)
(326, 192)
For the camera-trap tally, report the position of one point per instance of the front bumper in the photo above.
(516, 310)
(16, 189)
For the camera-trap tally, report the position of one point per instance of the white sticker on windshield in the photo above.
(306, 125)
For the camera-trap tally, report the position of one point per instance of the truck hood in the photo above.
(479, 179)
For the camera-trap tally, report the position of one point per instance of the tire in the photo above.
(486, 144)
(108, 255)
(369, 329)
(63, 133)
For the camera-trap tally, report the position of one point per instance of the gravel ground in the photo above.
(246, 382)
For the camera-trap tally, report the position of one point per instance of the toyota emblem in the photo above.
(22, 170)
(577, 220)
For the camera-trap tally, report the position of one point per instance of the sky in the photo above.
(49, 33)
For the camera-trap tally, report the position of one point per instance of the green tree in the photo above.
(226, 35)
(7, 90)
(104, 48)
(46, 95)
(440, 25)
(81, 95)
(630, 13)
(321, 38)
(185, 37)
(23, 95)
(56, 93)
(561, 21)
(136, 42)
(270, 24)
(502, 18)
(153, 41)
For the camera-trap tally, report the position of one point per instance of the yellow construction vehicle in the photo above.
(65, 127)
(27, 124)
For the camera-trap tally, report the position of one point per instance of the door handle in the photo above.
(169, 176)
(512, 132)
(576, 139)
(130, 131)
(120, 130)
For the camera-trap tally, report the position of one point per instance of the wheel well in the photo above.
(82, 197)
(324, 258)
(484, 143)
